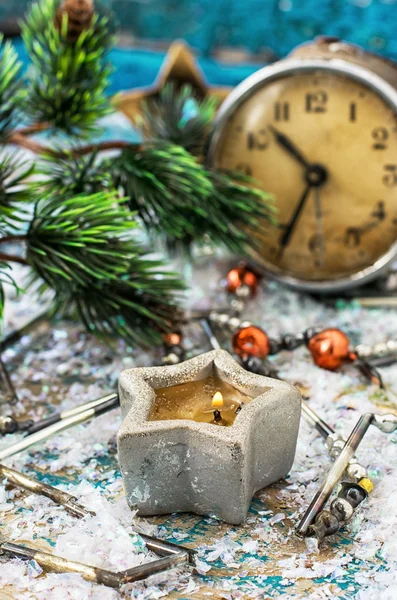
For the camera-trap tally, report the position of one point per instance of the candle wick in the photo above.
(217, 416)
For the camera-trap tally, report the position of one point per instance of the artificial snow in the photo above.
(59, 367)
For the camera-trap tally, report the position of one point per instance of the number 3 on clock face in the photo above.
(322, 139)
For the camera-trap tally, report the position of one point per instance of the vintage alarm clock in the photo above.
(318, 130)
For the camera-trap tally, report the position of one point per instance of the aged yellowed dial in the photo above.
(323, 141)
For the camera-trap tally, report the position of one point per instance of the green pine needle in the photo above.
(13, 191)
(164, 184)
(180, 201)
(11, 92)
(5, 279)
(84, 249)
(137, 309)
(67, 80)
(240, 212)
(72, 175)
(176, 116)
(2, 298)
(80, 239)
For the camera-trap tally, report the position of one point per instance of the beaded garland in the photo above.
(329, 348)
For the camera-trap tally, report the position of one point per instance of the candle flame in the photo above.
(217, 400)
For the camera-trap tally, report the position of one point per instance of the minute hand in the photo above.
(284, 241)
(288, 144)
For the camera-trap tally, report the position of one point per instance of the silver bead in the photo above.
(8, 425)
(386, 423)
(356, 472)
(223, 319)
(245, 324)
(213, 316)
(337, 448)
(171, 359)
(234, 323)
(380, 349)
(331, 439)
(342, 509)
(363, 350)
(243, 292)
(392, 346)
(237, 305)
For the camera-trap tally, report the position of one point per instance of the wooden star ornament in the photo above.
(180, 67)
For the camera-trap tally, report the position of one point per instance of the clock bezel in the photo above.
(292, 67)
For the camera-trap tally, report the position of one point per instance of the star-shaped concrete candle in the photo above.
(203, 436)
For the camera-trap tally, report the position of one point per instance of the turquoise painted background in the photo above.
(262, 28)
(278, 25)
(255, 25)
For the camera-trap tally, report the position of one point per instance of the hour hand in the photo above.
(288, 144)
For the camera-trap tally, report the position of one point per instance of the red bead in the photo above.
(330, 349)
(251, 341)
(240, 276)
(172, 339)
(250, 280)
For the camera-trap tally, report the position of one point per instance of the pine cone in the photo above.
(79, 12)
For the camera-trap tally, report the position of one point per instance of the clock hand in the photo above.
(316, 175)
(285, 141)
(319, 223)
(285, 238)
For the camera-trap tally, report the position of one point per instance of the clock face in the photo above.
(325, 146)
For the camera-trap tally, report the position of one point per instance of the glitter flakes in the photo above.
(262, 558)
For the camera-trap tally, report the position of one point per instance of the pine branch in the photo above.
(5, 279)
(164, 185)
(12, 258)
(13, 194)
(79, 239)
(11, 91)
(70, 176)
(69, 77)
(34, 128)
(22, 140)
(137, 309)
(238, 212)
(84, 249)
(2, 299)
(178, 117)
(6, 239)
(180, 201)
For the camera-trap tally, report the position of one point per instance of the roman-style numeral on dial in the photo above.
(281, 111)
(352, 112)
